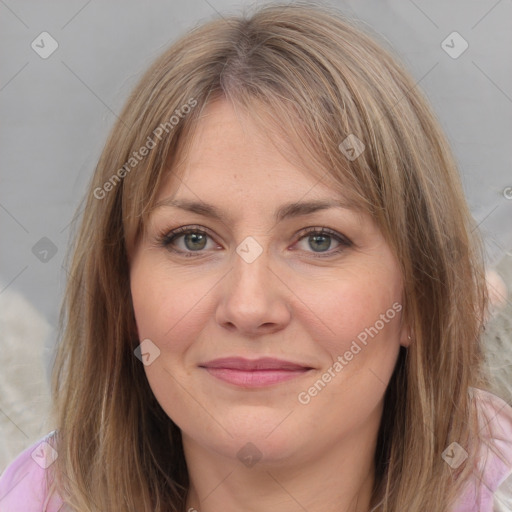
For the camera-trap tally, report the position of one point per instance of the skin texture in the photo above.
(290, 303)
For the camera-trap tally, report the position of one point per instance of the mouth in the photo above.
(254, 373)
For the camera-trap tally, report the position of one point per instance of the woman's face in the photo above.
(322, 309)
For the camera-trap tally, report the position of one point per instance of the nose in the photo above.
(253, 298)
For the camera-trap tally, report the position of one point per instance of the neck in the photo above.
(339, 480)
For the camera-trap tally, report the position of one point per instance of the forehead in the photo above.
(227, 139)
(227, 150)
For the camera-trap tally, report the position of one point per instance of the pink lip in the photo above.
(254, 373)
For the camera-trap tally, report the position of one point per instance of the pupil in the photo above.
(194, 238)
(325, 238)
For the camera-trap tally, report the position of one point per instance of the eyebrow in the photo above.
(287, 210)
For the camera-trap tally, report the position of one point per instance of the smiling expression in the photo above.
(267, 262)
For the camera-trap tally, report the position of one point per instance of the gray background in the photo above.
(57, 112)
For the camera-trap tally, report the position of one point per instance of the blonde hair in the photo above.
(313, 78)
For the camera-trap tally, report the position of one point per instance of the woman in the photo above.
(276, 296)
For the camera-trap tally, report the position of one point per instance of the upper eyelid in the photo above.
(195, 227)
(302, 233)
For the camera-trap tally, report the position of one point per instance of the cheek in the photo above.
(152, 303)
(167, 312)
(359, 335)
(168, 306)
(356, 310)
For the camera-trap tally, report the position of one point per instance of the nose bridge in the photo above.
(252, 298)
(251, 272)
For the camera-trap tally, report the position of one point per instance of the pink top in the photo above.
(495, 421)
(23, 483)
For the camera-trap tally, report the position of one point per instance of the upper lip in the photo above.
(264, 363)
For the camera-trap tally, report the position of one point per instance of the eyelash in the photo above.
(166, 238)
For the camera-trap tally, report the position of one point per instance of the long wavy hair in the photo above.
(312, 78)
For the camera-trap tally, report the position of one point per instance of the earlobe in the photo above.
(405, 336)
(407, 342)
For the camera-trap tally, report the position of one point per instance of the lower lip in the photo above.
(255, 378)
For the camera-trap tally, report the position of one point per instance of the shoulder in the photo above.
(494, 452)
(23, 484)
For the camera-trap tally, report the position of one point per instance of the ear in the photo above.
(406, 334)
(405, 337)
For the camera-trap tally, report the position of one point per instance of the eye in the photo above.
(191, 241)
(320, 240)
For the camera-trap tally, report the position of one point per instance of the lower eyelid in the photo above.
(339, 241)
(173, 237)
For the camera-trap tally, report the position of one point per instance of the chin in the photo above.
(262, 442)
